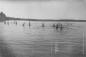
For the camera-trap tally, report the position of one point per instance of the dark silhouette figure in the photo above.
(61, 27)
(57, 26)
(16, 23)
(29, 24)
(23, 24)
(8, 23)
(43, 25)
(4, 22)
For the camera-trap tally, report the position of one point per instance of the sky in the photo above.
(44, 9)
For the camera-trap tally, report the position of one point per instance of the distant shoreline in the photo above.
(3, 17)
(49, 20)
(42, 20)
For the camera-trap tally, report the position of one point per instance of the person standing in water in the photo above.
(4, 22)
(29, 24)
(57, 26)
(15, 22)
(23, 24)
(61, 27)
(43, 25)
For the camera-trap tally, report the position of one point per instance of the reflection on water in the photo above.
(40, 39)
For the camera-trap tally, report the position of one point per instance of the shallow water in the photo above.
(19, 39)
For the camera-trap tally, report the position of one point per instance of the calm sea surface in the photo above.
(21, 39)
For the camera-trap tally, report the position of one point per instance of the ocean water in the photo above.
(31, 39)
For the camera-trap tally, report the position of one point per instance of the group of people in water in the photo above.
(58, 26)
(16, 23)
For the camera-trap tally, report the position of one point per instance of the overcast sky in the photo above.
(42, 9)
